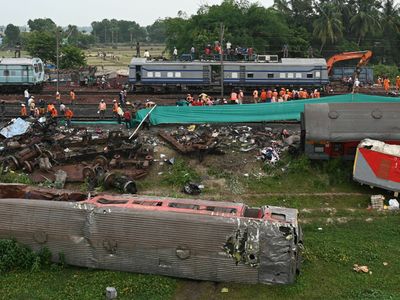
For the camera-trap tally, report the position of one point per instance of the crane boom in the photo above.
(364, 57)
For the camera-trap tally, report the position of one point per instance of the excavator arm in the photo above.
(364, 57)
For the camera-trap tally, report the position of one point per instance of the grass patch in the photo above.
(76, 283)
(14, 177)
(179, 174)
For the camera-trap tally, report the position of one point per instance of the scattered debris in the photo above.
(393, 204)
(111, 293)
(45, 150)
(192, 188)
(360, 269)
(377, 202)
(224, 290)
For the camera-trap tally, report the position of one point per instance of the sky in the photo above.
(83, 12)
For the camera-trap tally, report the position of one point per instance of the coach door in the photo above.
(242, 74)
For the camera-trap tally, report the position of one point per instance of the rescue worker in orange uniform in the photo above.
(54, 113)
(397, 83)
(386, 84)
(23, 112)
(263, 96)
(68, 116)
(115, 108)
(50, 107)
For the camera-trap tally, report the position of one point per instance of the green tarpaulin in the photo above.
(262, 112)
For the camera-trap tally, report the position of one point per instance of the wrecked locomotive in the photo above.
(202, 240)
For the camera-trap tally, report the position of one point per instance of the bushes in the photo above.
(179, 174)
(14, 256)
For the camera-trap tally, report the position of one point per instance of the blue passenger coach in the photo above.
(191, 75)
(19, 73)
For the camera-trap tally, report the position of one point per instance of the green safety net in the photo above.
(262, 112)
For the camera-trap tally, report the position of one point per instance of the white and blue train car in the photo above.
(182, 75)
(19, 73)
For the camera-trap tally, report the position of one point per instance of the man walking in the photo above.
(102, 109)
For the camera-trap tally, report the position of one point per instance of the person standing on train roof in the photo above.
(146, 54)
(192, 53)
(175, 54)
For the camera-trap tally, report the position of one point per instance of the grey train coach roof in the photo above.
(352, 121)
(18, 61)
(283, 61)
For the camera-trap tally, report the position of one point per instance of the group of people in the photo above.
(237, 96)
(283, 95)
(43, 108)
(384, 81)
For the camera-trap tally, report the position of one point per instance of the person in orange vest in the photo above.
(54, 113)
(23, 113)
(386, 84)
(115, 108)
(397, 83)
(72, 96)
(50, 107)
(263, 96)
(68, 116)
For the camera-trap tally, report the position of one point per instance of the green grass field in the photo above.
(339, 231)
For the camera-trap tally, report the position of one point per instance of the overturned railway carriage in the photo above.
(203, 240)
(334, 129)
(17, 74)
(150, 75)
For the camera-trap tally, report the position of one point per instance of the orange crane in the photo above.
(364, 57)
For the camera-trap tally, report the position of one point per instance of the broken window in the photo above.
(148, 203)
(184, 205)
(111, 201)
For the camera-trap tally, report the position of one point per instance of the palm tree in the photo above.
(390, 16)
(366, 20)
(328, 26)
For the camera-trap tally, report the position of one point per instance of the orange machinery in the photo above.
(364, 57)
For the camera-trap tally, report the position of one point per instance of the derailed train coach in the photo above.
(153, 75)
(197, 239)
(330, 130)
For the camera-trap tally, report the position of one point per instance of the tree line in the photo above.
(318, 28)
